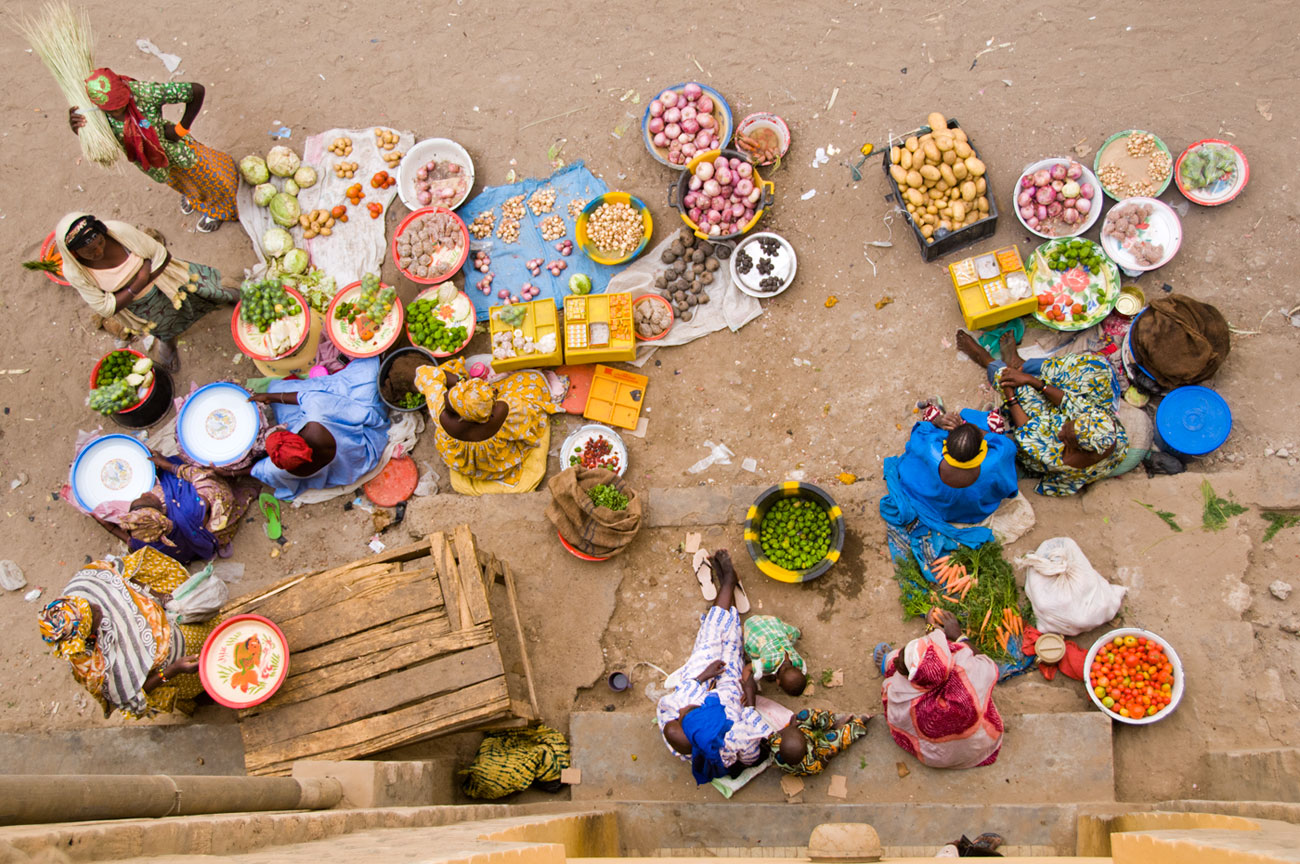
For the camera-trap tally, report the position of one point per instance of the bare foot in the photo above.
(967, 345)
(168, 356)
(724, 570)
(1010, 356)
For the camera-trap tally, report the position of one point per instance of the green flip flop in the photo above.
(270, 506)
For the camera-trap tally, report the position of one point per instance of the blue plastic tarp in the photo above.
(570, 182)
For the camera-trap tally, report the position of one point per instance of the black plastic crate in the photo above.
(951, 241)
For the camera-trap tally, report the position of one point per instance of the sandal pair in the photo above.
(703, 567)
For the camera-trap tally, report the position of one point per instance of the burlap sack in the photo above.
(596, 531)
(1180, 340)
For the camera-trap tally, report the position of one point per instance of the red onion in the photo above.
(715, 230)
(656, 108)
(753, 197)
(684, 138)
(706, 121)
(749, 215)
(717, 204)
(672, 115)
(712, 188)
(1027, 182)
(1058, 185)
(688, 113)
(1032, 221)
(704, 141)
(1070, 215)
(696, 214)
(672, 130)
(1045, 195)
(1042, 177)
(704, 105)
(424, 197)
(1074, 172)
(675, 157)
(724, 176)
(660, 139)
(714, 217)
(656, 125)
(668, 98)
(690, 198)
(744, 187)
(1025, 197)
(690, 126)
(692, 91)
(1026, 212)
(674, 146)
(737, 210)
(422, 174)
(704, 171)
(1058, 171)
(735, 163)
(1086, 191)
(689, 149)
(720, 163)
(695, 183)
(1054, 209)
(1040, 212)
(745, 169)
(1083, 205)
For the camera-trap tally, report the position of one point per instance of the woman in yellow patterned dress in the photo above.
(110, 625)
(493, 437)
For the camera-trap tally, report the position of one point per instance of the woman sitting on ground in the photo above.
(336, 429)
(1062, 413)
(191, 514)
(493, 437)
(938, 696)
(131, 281)
(110, 625)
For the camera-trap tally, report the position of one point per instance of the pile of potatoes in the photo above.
(940, 179)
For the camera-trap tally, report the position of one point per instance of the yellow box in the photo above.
(615, 397)
(612, 309)
(972, 287)
(540, 320)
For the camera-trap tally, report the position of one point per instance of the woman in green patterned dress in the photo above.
(207, 179)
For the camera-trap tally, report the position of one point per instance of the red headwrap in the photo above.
(109, 91)
(287, 450)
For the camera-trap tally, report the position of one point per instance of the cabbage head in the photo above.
(285, 210)
(305, 177)
(254, 170)
(295, 261)
(263, 193)
(276, 242)
(290, 187)
(282, 161)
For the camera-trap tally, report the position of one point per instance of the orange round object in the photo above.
(394, 484)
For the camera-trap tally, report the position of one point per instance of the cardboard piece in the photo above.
(839, 787)
(791, 785)
(836, 679)
(903, 770)
(692, 542)
(571, 776)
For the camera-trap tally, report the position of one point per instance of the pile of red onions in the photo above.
(1052, 200)
(723, 196)
(683, 123)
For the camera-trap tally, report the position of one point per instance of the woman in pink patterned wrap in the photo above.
(939, 701)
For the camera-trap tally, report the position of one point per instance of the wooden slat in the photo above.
(335, 710)
(421, 646)
(428, 624)
(397, 553)
(511, 594)
(414, 592)
(323, 589)
(492, 572)
(471, 577)
(372, 734)
(448, 577)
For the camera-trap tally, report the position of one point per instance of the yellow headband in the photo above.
(973, 462)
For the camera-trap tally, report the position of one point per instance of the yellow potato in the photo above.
(935, 120)
(329, 223)
(911, 144)
(932, 152)
(943, 142)
(946, 172)
(968, 191)
(954, 193)
(304, 221)
(931, 173)
(905, 159)
(946, 212)
(959, 170)
(308, 234)
(945, 224)
(959, 134)
(963, 149)
(932, 210)
(927, 231)
(894, 154)
(911, 208)
(981, 187)
(899, 175)
(974, 166)
(950, 157)
(915, 196)
(935, 194)
(325, 232)
(914, 179)
(982, 204)
(958, 211)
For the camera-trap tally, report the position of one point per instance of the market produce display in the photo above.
(692, 266)
(1074, 282)
(1056, 198)
(604, 495)
(372, 305)
(1141, 233)
(763, 138)
(615, 228)
(764, 265)
(122, 381)
(795, 533)
(265, 302)
(651, 316)
(1133, 163)
(431, 245)
(940, 179)
(411, 401)
(441, 181)
(685, 120)
(1132, 677)
(428, 330)
(723, 196)
(596, 452)
(118, 365)
(1211, 172)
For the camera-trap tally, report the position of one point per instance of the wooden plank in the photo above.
(452, 672)
(471, 577)
(453, 598)
(372, 734)
(324, 589)
(492, 572)
(370, 609)
(388, 556)
(513, 596)
(421, 646)
(428, 624)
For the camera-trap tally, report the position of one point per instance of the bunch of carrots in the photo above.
(1012, 625)
(954, 579)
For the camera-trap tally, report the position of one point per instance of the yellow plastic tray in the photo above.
(615, 397)
(540, 320)
(621, 347)
(972, 291)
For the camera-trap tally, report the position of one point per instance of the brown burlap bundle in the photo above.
(596, 531)
(1180, 340)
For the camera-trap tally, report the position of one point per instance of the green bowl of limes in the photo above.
(794, 531)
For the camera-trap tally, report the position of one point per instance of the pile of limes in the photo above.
(263, 303)
(430, 331)
(1076, 253)
(373, 303)
(795, 533)
(115, 367)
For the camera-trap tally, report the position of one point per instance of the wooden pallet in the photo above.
(389, 650)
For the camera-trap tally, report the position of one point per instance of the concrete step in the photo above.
(189, 748)
(1253, 775)
(1045, 759)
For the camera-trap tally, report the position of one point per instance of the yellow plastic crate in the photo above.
(973, 287)
(612, 310)
(540, 320)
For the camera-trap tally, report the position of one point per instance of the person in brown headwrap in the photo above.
(1179, 341)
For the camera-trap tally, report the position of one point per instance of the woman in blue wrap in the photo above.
(951, 473)
(336, 429)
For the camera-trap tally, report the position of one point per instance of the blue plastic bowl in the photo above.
(721, 109)
(1192, 421)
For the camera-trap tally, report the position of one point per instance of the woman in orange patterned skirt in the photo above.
(207, 179)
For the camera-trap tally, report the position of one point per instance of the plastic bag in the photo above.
(1067, 594)
(198, 599)
(719, 454)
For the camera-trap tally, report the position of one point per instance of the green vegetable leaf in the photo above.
(1278, 521)
(827, 675)
(604, 495)
(1165, 515)
(1217, 510)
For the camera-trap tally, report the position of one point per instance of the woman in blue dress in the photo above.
(336, 428)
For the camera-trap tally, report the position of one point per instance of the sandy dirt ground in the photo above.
(805, 387)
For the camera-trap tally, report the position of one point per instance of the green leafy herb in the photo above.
(1278, 521)
(411, 400)
(827, 675)
(1165, 515)
(43, 265)
(604, 495)
(1217, 510)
